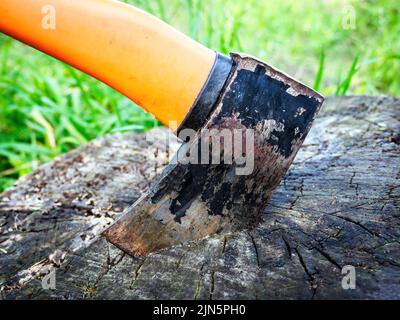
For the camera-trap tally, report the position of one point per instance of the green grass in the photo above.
(48, 108)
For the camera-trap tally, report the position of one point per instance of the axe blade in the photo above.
(190, 201)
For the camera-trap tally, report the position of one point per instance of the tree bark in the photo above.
(338, 205)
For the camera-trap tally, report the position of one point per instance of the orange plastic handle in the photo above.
(157, 67)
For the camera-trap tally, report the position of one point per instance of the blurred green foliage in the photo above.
(341, 47)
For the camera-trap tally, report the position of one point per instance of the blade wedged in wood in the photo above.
(191, 201)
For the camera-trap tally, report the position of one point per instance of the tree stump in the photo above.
(338, 205)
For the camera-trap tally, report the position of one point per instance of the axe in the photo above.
(241, 120)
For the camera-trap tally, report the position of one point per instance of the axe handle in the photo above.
(157, 67)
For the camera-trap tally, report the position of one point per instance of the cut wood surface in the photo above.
(338, 205)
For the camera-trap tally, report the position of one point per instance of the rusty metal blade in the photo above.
(191, 201)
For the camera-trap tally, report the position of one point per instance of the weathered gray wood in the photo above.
(338, 205)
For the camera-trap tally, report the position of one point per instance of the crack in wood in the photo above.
(255, 248)
(212, 285)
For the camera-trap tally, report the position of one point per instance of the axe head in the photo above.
(240, 138)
